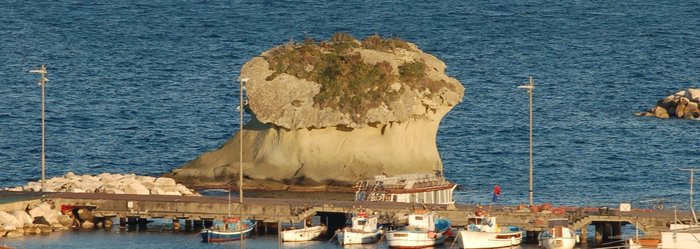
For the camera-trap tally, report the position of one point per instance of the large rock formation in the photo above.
(333, 112)
(683, 104)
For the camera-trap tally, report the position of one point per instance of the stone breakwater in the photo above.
(40, 218)
(110, 184)
(44, 217)
(683, 104)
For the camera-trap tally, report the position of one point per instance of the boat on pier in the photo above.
(407, 188)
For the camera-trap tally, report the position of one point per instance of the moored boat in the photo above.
(558, 235)
(424, 229)
(688, 238)
(683, 236)
(230, 231)
(483, 232)
(303, 234)
(362, 230)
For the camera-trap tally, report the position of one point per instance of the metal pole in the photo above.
(530, 93)
(42, 83)
(692, 209)
(530, 87)
(240, 160)
(240, 136)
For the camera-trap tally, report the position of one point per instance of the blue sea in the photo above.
(145, 86)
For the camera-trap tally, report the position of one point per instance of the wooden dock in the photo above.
(204, 209)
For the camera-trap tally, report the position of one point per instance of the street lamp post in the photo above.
(241, 106)
(692, 208)
(42, 83)
(530, 87)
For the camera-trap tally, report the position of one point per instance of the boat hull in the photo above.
(216, 236)
(303, 234)
(414, 239)
(680, 240)
(558, 243)
(354, 238)
(484, 240)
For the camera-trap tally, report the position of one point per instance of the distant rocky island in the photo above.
(683, 104)
(326, 114)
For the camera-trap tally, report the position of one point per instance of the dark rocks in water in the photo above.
(683, 104)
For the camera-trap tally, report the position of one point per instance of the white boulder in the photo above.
(136, 188)
(173, 193)
(8, 222)
(23, 219)
(157, 191)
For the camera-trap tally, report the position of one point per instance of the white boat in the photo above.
(680, 239)
(408, 188)
(558, 235)
(362, 230)
(483, 232)
(683, 236)
(424, 229)
(303, 234)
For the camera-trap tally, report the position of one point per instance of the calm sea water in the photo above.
(145, 86)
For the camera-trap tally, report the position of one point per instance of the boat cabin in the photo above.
(558, 228)
(422, 220)
(365, 223)
(483, 224)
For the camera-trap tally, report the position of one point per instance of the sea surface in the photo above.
(143, 86)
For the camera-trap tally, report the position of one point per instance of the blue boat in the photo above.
(229, 232)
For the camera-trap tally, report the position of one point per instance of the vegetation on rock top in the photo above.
(347, 82)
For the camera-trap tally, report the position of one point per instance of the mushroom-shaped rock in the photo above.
(334, 112)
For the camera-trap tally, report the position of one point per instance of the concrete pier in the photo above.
(198, 212)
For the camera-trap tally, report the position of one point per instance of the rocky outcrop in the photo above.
(111, 184)
(307, 130)
(683, 104)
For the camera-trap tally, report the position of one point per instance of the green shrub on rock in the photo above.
(347, 82)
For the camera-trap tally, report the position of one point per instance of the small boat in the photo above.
(302, 234)
(424, 229)
(558, 235)
(362, 230)
(232, 230)
(483, 232)
(408, 188)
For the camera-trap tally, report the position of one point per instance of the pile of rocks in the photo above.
(683, 104)
(41, 218)
(111, 184)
